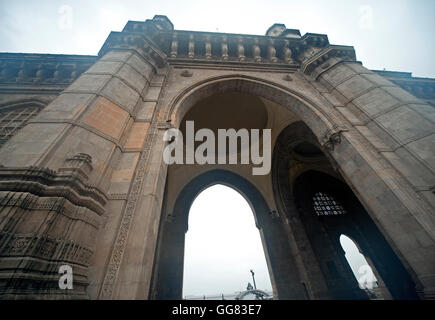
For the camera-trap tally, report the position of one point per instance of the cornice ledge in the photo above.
(69, 184)
(136, 41)
(344, 52)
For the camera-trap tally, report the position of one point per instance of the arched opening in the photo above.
(167, 279)
(322, 207)
(365, 273)
(304, 256)
(222, 245)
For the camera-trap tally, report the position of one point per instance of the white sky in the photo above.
(222, 245)
(392, 34)
(395, 35)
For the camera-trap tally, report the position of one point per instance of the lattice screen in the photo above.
(13, 120)
(326, 205)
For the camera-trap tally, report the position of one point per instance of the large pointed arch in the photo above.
(168, 268)
(322, 123)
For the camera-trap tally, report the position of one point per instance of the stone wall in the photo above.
(83, 182)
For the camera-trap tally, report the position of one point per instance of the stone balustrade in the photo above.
(286, 46)
(42, 68)
(233, 47)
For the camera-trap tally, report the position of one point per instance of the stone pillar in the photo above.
(207, 48)
(272, 51)
(99, 122)
(256, 51)
(287, 53)
(224, 48)
(130, 264)
(174, 46)
(393, 132)
(191, 46)
(240, 49)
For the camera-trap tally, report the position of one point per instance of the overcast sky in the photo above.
(392, 34)
(222, 243)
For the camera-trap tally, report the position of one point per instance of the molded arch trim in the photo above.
(198, 184)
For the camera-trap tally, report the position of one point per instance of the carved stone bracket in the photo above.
(332, 137)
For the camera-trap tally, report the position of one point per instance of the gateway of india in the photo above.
(83, 182)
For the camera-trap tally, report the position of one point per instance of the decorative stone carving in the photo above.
(287, 77)
(241, 49)
(191, 53)
(80, 163)
(287, 53)
(29, 69)
(276, 30)
(174, 46)
(256, 51)
(136, 41)
(207, 48)
(186, 73)
(224, 48)
(332, 137)
(272, 52)
(322, 55)
(55, 200)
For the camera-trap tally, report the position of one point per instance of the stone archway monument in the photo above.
(84, 183)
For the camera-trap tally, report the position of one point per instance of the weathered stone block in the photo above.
(106, 117)
(30, 143)
(117, 56)
(405, 124)
(122, 94)
(424, 148)
(89, 83)
(146, 111)
(401, 95)
(407, 165)
(140, 65)
(375, 101)
(337, 74)
(426, 110)
(354, 86)
(132, 77)
(66, 106)
(377, 79)
(137, 135)
(153, 93)
(102, 66)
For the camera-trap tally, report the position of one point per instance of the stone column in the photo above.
(174, 46)
(224, 48)
(191, 46)
(256, 51)
(59, 170)
(207, 48)
(271, 54)
(240, 49)
(393, 172)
